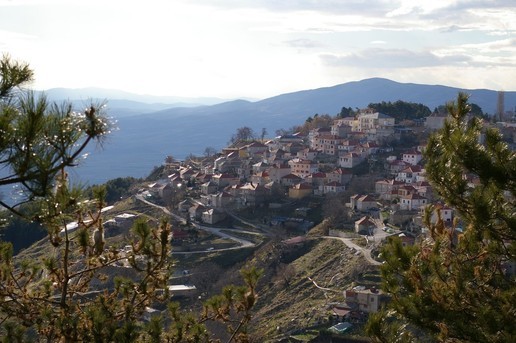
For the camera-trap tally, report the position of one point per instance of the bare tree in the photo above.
(285, 273)
(263, 134)
(209, 151)
(335, 210)
(242, 134)
(169, 159)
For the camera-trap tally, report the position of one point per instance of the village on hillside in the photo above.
(348, 181)
(369, 169)
(371, 146)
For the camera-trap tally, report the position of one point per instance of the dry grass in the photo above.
(285, 308)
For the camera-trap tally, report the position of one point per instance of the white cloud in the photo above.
(257, 48)
(392, 58)
(354, 7)
(303, 43)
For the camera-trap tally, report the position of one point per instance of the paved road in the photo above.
(215, 231)
(378, 234)
(218, 232)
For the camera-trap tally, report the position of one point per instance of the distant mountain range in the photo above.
(124, 103)
(150, 128)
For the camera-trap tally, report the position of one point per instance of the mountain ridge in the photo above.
(143, 140)
(61, 93)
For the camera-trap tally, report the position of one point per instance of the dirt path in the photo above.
(365, 252)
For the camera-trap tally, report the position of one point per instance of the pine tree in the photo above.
(458, 285)
(68, 296)
(39, 139)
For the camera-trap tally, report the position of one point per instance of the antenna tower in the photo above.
(500, 105)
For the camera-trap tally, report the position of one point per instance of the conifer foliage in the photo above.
(458, 285)
(72, 295)
(39, 139)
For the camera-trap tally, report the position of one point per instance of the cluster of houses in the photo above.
(406, 193)
(288, 166)
(263, 173)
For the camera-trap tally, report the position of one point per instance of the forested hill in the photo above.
(401, 110)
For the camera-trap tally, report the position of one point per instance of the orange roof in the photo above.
(412, 169)
(367, 198)
(364, 221)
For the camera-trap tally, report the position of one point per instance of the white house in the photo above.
(340, 175)
(374, 121)
(290, 180)
(260, 167)
(367, 300)
(409, 174)
(365, 225)
(412, 157)
(362, 202)
(333, 187)
(412, 202)
(350, 160)
(221, 199)
(303, 168)
(213, 216)
(347, 146)
(307, 154)
(445, 212)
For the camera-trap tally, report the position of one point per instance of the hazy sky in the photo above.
(260, 48)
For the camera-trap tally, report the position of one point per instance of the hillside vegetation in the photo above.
(298, 293)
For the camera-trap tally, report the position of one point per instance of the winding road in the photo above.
(243, 243)
(365, 252)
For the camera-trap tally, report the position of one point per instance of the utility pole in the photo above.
(500, 105)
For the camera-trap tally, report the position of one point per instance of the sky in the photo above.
(260, 48)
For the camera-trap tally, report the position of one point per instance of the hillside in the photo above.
(140, 142)
(294, 297)
(290, 291)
